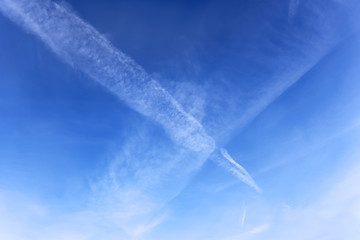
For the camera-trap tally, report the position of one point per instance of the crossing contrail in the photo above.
(84, 48)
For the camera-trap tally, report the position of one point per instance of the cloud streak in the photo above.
(236, 169)
(80, 45)
(296, 52)
(243, 217)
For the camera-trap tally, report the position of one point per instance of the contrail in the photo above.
(235, 168)
(80, 45)
(243, 217)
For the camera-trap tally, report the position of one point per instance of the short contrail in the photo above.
(84, 48)
(243, 217)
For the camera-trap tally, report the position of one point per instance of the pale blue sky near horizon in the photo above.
(275, 83)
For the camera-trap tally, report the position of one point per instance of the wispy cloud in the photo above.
(243, 217)
(293, 5)
(334, 216)
(26, 218)
(276, 86)
(316, 145)
(295, 52)
(236, 169)
(80, 45)
(251, 233)
(151, 225)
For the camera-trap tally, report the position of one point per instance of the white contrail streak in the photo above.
(243, 217)
(236, 169)
(84, 48)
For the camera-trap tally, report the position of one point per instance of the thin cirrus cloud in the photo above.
(309, 32)
(138, 196)
(81, 46)
(307, 44)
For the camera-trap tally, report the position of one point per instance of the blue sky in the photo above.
(219, 120)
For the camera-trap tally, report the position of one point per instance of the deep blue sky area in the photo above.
(146, 120)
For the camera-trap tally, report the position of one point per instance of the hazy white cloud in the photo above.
(334, 216)
(251, 233)
(80, 45)
(154, 175)
(22, 217)
(127, 197)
